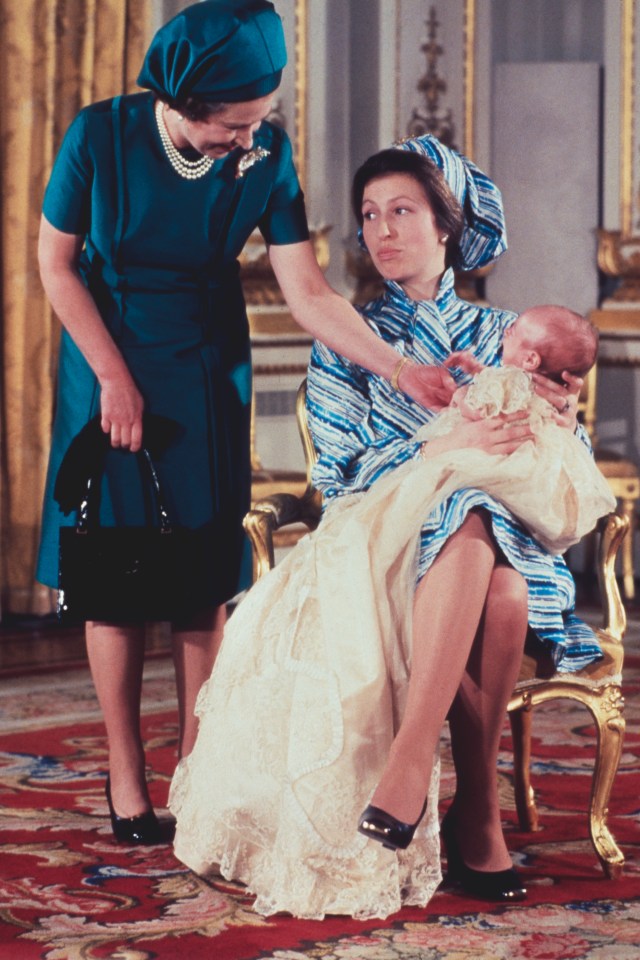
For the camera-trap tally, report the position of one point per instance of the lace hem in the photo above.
(290, 871)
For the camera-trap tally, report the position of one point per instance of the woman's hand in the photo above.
(120, 402)
(562, 397)
(121, 407)
(432, 387)
(496, 435)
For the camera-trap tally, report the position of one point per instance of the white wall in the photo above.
(545, 126)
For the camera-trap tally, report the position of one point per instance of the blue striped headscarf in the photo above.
(484, 236)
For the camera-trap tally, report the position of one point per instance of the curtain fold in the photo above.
(56, 56)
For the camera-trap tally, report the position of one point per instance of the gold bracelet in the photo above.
(395, 376)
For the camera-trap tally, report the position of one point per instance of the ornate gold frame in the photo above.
(627, 100)
(468, 67)
(619, 250)
(469, 75)
(301, 48)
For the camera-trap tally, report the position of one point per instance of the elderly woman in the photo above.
(321, 720)
(151, 199)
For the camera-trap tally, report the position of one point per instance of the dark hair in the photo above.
(194, 109)
(448, 213)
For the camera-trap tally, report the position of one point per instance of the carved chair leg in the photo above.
(626, 551)
(607, 710)
(520, 720)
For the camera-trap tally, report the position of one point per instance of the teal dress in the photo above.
(160, 261)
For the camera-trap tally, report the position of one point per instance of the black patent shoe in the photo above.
(145, 828)
(503, 886)
(391, 833)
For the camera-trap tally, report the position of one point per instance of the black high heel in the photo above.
(500, 885)
(145, 828)
(393, 834)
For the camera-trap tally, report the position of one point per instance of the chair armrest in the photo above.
(285, 508)
(273, 513)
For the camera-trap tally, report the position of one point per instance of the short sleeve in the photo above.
(67, 199)
(285, 219)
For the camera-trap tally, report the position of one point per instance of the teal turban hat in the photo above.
(225, 51)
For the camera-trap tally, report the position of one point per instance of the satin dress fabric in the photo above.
(160, 262)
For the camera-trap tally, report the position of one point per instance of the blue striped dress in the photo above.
(363, 428)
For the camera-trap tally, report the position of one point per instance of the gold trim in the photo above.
(301, 46)
(279, 369)
(619, 256)
(616, 319)
(617, 362)
(275, 323)
(627, 116)
(398, 92)
(468, 77)
(431, 85)
(618, 249)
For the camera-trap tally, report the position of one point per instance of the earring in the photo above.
(444, 238)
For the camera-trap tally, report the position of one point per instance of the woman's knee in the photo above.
(507, 604)
(509, 587)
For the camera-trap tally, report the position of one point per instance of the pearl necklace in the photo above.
(188, 169)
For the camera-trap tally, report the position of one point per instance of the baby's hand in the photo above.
(465, 360)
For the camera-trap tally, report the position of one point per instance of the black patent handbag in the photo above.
(129, 574)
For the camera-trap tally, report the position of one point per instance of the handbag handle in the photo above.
(91, 499)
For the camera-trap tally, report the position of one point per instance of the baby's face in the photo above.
(516, 342)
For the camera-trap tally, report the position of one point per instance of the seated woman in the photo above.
(339, 668)
(553, 486)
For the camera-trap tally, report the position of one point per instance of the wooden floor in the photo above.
(40, 643)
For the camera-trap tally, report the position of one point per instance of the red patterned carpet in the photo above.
(68, 892)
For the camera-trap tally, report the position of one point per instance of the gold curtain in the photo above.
(56, 56)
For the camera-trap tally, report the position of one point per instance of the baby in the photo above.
(553, 484)
(546, 339)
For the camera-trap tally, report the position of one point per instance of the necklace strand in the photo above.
(188, 169)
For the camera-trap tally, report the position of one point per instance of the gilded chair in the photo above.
(623, 478)
(597, 687)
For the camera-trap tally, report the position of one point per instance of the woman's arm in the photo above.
(355, 446)
(331, 319)
(121, 403)
(497, 435)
